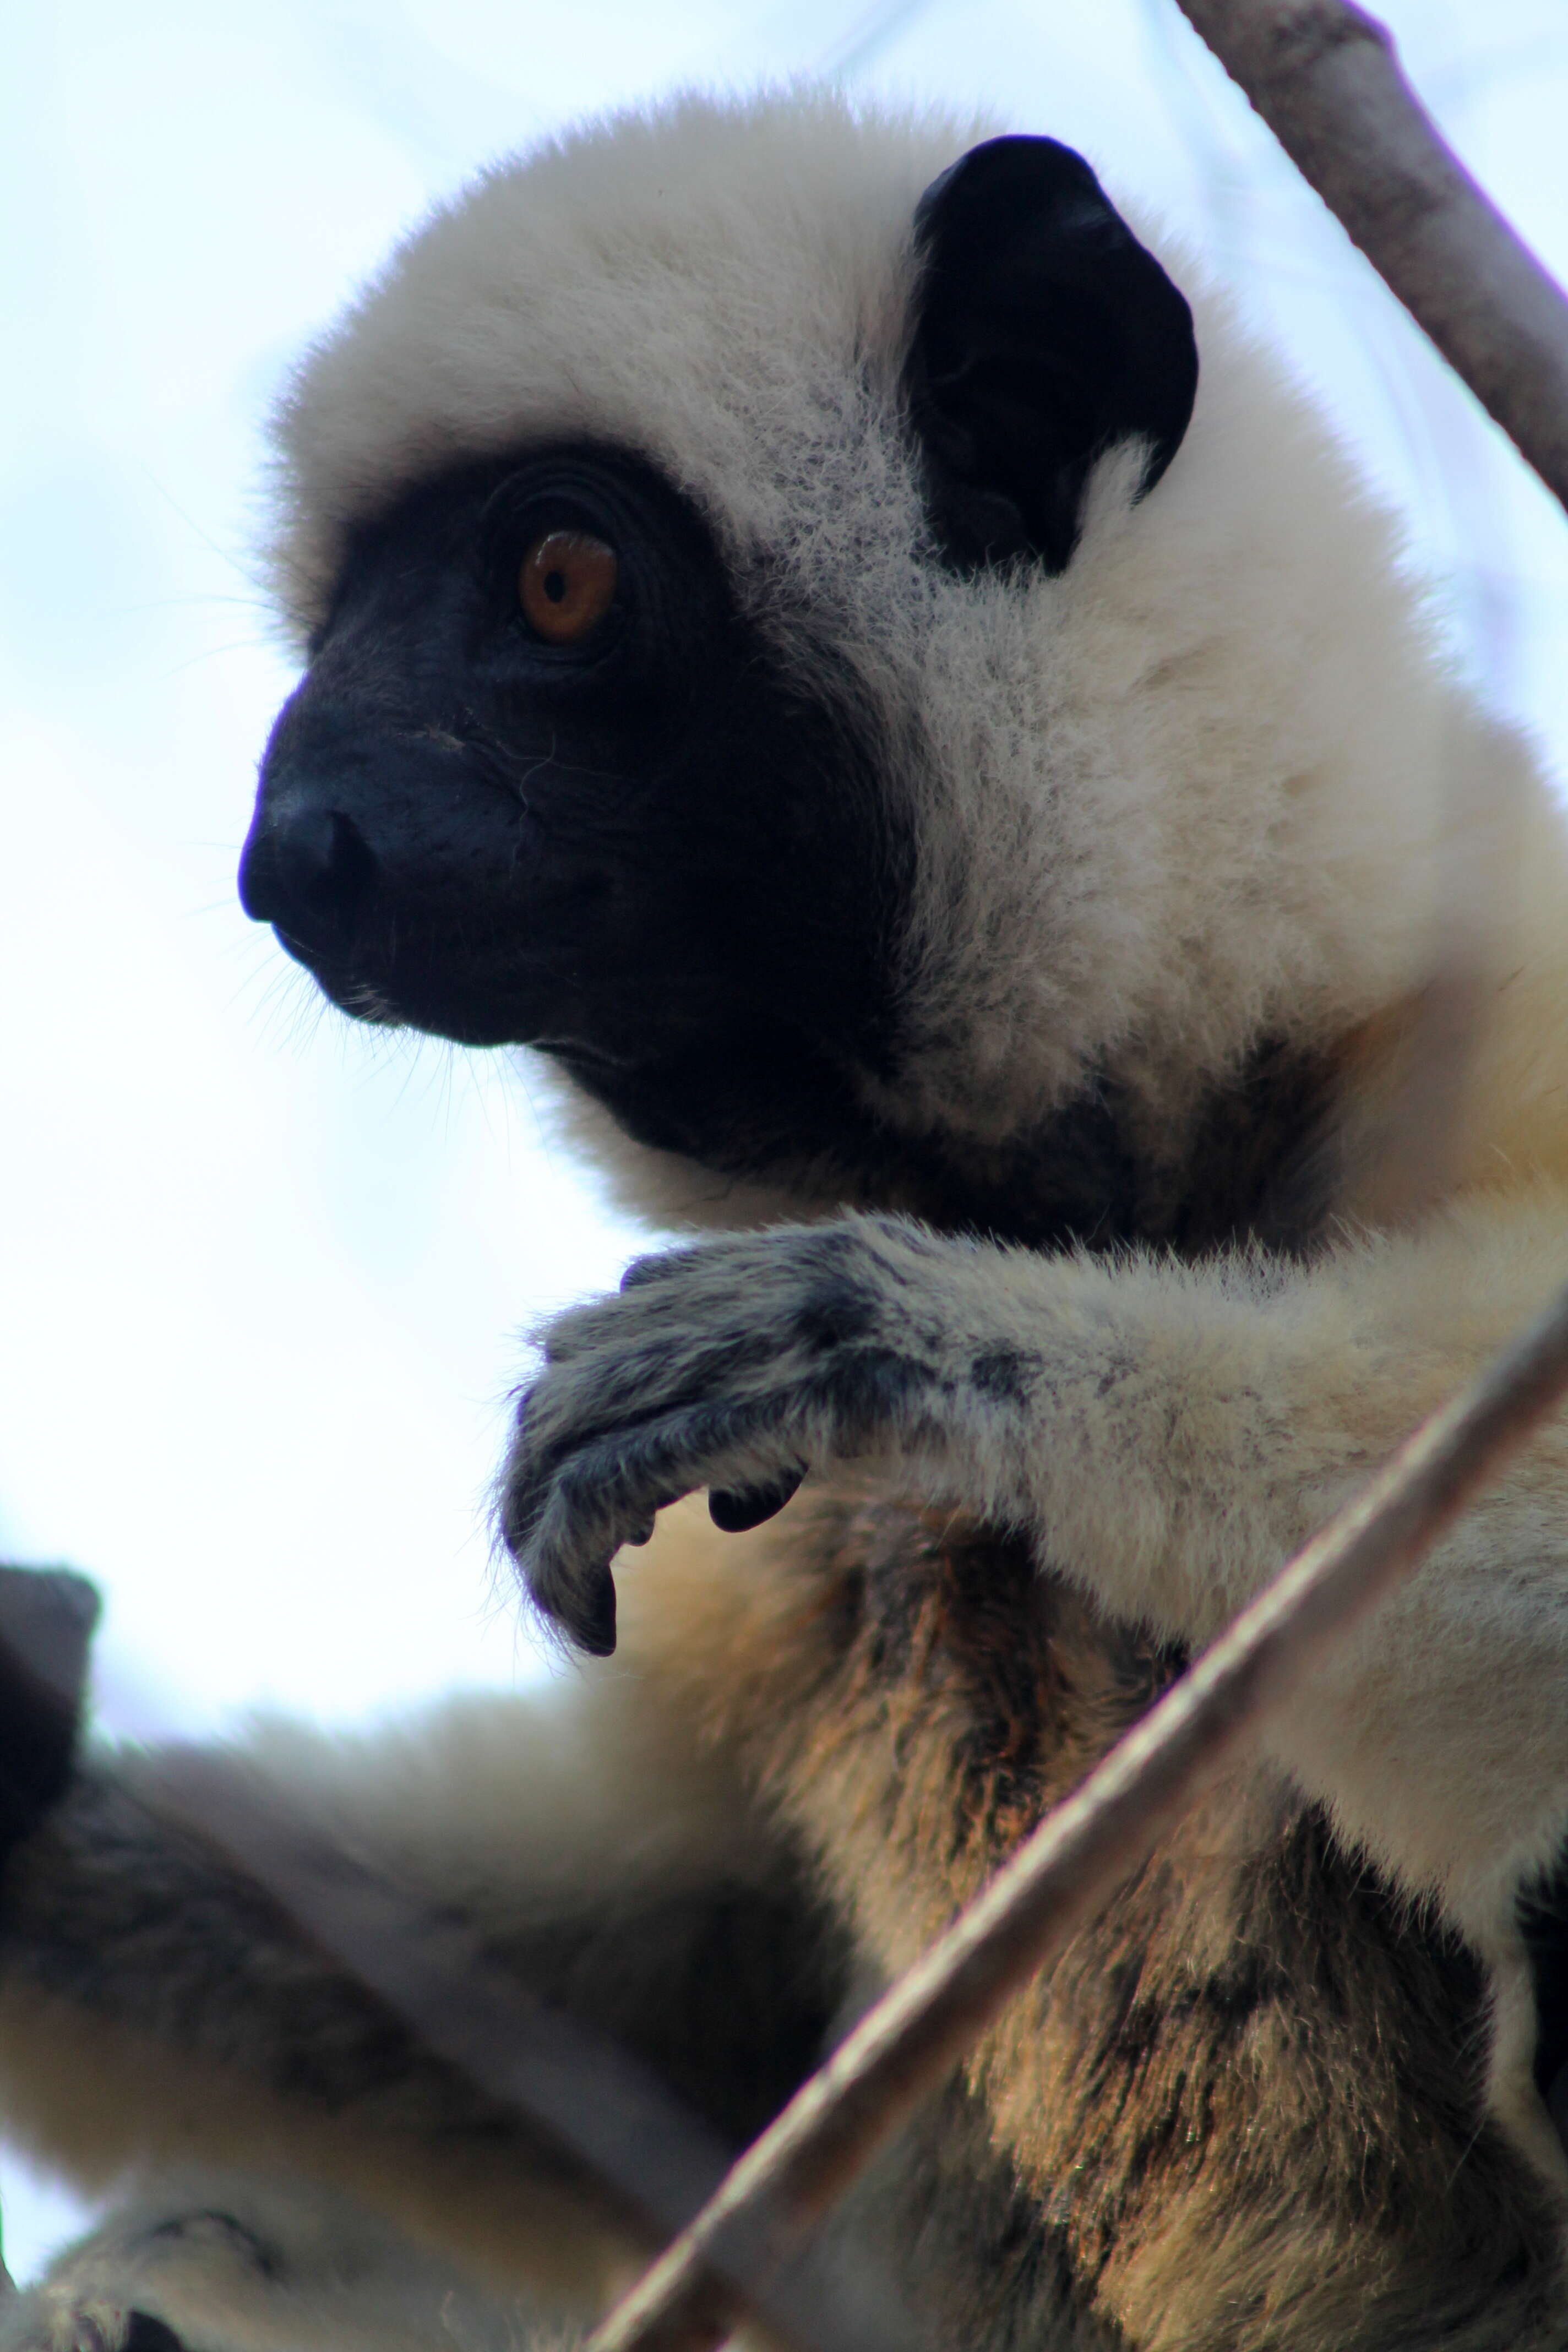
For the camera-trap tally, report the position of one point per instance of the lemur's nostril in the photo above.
(308, 871)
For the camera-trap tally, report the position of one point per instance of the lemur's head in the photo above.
(784, 641)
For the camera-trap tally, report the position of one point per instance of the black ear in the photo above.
(1047, 334)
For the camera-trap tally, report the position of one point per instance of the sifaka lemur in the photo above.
(843, 646)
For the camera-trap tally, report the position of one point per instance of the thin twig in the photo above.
(635, 2139)
(1083, 1851)
(1325, 78)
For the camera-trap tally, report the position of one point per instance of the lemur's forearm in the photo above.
(1164, 1434)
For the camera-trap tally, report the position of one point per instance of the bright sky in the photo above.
(263, 1273)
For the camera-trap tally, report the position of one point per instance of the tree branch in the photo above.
(1324, 76)
(1080, 1855)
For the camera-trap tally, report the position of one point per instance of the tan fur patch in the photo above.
(1245, 2107)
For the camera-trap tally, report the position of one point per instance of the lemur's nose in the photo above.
(307, 870)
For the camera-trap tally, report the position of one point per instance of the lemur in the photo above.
(828, 631)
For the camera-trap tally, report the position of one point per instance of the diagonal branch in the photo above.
(1083, 1851)
(1324, 76)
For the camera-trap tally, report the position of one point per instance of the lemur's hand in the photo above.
(46, 1618)
(737, 1366)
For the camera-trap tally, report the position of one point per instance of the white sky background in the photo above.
(263, 1273)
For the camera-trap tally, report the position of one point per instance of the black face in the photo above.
(545, 783)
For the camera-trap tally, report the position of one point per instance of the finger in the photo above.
(736, 1509)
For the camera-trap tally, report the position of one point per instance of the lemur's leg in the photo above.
(1164, 1434)
(1257, 2026)
(155, 2006)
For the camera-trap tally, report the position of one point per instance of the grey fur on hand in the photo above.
(737, 1366)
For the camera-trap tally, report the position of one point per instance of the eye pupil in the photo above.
(566, 585)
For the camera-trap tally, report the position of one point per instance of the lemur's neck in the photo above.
(1448, 1086)
(1255, 1159)
(1252, 1159)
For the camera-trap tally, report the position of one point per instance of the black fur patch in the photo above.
(657, 856)
(1007, 1374)
(745, 1989)
(837, 1312)
(1258, 1161)
(1045, 335)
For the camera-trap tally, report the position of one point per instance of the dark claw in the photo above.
(591, 1625)
(736, 1510)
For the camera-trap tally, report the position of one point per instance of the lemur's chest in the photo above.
(1256, 2027)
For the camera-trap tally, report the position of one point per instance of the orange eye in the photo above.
(567, 584)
